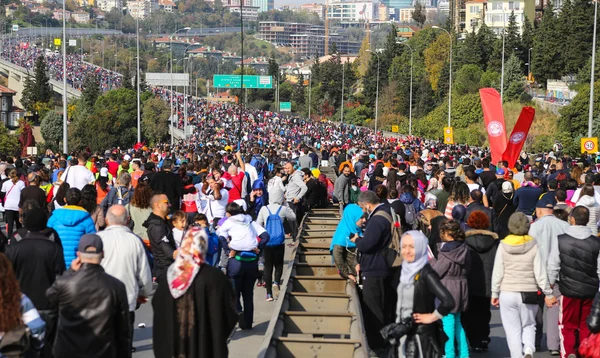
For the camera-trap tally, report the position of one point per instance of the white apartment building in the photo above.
(352, 11)
(107, 5)
(139, 9)
(498, 12)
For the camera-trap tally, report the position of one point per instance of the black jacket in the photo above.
(593, 320)
(480, 207)
(93, 314)
(428, 288)
(162, 243)
(170, 184)
(33, 193)
(37, 261)
(377, 235)
(578, 275)
(483, 245)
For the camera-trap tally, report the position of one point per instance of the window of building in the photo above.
(514, 5)
(474, 9)
(497, 5)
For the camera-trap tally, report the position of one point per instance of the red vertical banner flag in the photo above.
(493, 114)
(518, 136)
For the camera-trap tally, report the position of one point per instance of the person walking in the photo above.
(169, 183)
(125, 258)
(194, 308)
(93, 313)
(89, 202)
(373, 269)
(342, 248)
(518, 272)
(78, 176)
(453, 264)
(587, 199)
(483, 245)
(576, 266)
(11, 195)
(121, 194)
(295, 191)
(140, 210)
(160, 235)
(527, 196)
(271, 217)
(545, 230)
(33, 192)
(341, 188)
(71, 222)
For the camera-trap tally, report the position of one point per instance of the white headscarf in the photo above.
(411, 269)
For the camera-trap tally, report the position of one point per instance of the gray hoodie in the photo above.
(577, 232)
(295, 188)
(594, 208)
(545, 231)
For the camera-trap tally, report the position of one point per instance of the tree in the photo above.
(419, 15)
(363, 58)
(547, 47)
(468, 79)
(155, 120)
(51, 128)
(333, 49)
(512, 43)
(485, 45)
(273, 71)
(526, 40)
(37, 90)
(298, 94)
(9, 143)
(436, 57)
(127, 81)
(576, 47)
(513, 78)
(91, 91)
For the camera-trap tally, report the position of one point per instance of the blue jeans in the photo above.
(454, 330)
(243, 275)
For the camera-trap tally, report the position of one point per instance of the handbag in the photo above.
(15, 342)
(529, 298)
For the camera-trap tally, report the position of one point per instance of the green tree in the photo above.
(363, 58)
(436, 56)
(419, 15)
(574, 117)
(9, 143)
(513, 78)
(485, 45)
(37, 91)
(51, 128)
(576, 47)
(468, 79)
(490, 79)
(526, 39)
(273, 71)
(127, 80)
(298, 94)
(91, 91)
(155, 118)
(467, 51)
(547, 47)
(512, 43)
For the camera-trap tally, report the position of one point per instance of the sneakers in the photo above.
(572, 356)
(554, 352)
(260, 283)
(275, 288)
(528, 352)
(269, 297)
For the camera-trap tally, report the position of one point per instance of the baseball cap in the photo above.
(507, 187)
(546, 202)
(500, 171)
(104, 172)
(90, 241)
(126, 157)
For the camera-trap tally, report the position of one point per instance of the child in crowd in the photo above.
(453, 264)
(212, 251)
(179, 221)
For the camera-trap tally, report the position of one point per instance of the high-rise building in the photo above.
(107, 5)
(316, 8)
(397, 4)
(264, 5)
(351, 11)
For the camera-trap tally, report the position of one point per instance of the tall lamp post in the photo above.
(450, 85)
(503, 38)
(139, 121)
(591, 109)
(411, 87)
(171, 56)
(64, 53)
(376, 92)
(342, 107)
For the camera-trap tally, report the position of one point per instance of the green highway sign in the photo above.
(234, 81)
(285, 106)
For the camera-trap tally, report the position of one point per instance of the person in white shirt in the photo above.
(215, 199)
(11, 195)
(78, 176)
(125, 258)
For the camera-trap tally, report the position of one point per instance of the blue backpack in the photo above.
(262, 169)
(213, 243)
(275, 228)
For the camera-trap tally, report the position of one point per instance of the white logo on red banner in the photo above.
(517, 138)
(495, 129)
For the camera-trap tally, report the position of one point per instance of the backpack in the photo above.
(411, 216)
(391, 253)
(275, 229)
(262, 169)
(212, 243)
(16, 343)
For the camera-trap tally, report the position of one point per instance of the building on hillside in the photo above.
(179, 46)
(474, 14)
(80, 17)
(405, 14)
(319, 9)
(351, 11)
(457, 14)
(205, 52)
(249, 13)
(10, 9)
(40, 10)
(398, 4)
(406, 32)
(444, 7)
(58, 14)
(166, 5)
(139, 9)
(107, 5)
(9, 114)
(264, 5)
(383, 13)
(259, 64)
(498, 12)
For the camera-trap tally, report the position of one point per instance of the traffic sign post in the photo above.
(448, 135)
(395, 129)
(589, 145)
(57, 42)
(234, 81)
(285, 106)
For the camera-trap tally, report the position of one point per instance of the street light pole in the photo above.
(411, 88)
(450, 80)
(591, 109)
(139, 121)
(503, 38)
(342, 107)
(64, 53)
(376, 92)
(171, 56)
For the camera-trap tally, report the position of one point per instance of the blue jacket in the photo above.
(526, 198)
(71, 222)
(347, 227)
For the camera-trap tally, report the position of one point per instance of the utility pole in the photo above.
(64, 53)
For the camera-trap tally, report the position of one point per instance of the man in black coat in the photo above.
(33, 192)
(476, 203)
(92, 307)
(160, 236)
(168, 183)
(373, 269)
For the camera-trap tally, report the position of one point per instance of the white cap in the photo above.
(126, 157)
(104, 172)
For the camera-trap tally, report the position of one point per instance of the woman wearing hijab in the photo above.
(377, 178)
(417, 331)
(257, 199)
(504, 208)
(343, 248)
(194, 309)
(459, 214)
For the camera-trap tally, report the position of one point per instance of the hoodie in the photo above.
(594, 208)
(243, 232)
(71, 222)
(162, 243)
(453, 265)
(483, 245)
(408, 198)
(545, 231)
(518, 267)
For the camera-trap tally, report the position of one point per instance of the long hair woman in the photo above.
(459, 196)
(11, 196)
(139, 209)
(90, 204)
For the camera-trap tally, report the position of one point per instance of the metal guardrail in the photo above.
(318, 313)
(57, 85)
